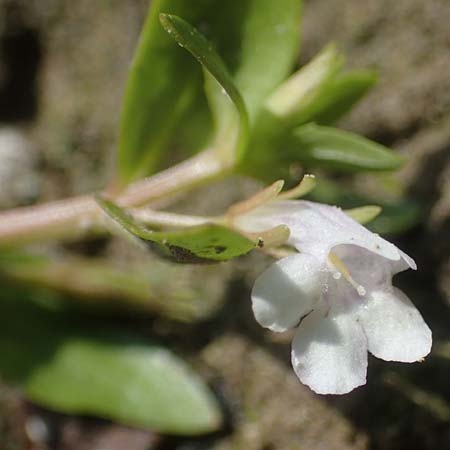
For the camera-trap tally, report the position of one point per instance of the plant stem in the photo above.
(70, 218)
(160, 218)
(190, 173)
(80, 216)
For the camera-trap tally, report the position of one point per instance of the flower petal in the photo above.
(316, 228)
(408, 260)
(329, 354)
(394, 328)
(372, 271)
(286, 291)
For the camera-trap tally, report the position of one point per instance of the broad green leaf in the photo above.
(320, 146)
(342, 93)
(268, 48)
(302, 95)
(201, 244)
(221, 91)
(86, 369)
(160, 88)
(259, 41)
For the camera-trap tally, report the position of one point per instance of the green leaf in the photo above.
(163, 103)
(268, 47)
(200, 244)
(84, 369)
(190, 38)
(302, 95)
(208, 243)
(342, 93)
(161, 87)
(320, 146)
(248, 34)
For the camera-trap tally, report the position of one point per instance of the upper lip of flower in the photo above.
(317, 228)
(340, 285)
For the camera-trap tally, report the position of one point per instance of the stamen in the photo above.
(361, 290)
(341, 267)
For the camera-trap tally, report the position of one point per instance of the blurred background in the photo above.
(63, 66)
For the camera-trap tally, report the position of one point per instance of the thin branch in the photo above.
(79, 216)
(167, 219)
(190, 173)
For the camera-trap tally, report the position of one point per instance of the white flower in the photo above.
(338, 293)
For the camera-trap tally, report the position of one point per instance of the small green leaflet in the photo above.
(200, 244)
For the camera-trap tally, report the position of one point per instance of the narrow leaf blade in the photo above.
(343, 93)
(298, 99)
(320, 146)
